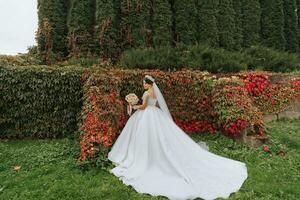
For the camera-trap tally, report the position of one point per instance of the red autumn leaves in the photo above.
(255, 83)
(195, 126)
(103, 118)
(230, 107)
(235, 128)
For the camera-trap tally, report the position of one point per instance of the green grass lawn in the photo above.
(49, 171)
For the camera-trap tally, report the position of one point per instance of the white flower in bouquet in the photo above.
(132, 100)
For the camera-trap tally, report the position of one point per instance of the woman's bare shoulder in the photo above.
(151, 94)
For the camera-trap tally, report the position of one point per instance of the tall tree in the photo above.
(81, 22)
(226, 24)
(298, 16)
(161, 22)
(251, 15)
(107, 28)
(135, 25)
(207, 22)
(185, 19)
(238, 37)
(272, 24)
(54, 14)
(291, 31)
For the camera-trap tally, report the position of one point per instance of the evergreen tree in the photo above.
(81, 22)
(226, 24)
(185, 19)
(291, 26)
(298, 15)
(135, 27)
(55, 13)
(161, 22)
(238, 37)
(207, 22)
(107, 25)
(272, 24)
(251, 14)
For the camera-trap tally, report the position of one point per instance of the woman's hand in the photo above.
(143, 106)
(136, 107)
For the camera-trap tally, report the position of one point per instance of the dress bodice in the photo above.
(151, 101)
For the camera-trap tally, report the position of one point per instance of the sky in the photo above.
(18, 24)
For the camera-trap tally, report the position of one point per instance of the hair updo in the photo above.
(148, 80)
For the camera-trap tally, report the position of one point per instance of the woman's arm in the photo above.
(144, 105)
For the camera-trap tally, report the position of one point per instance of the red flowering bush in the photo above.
(270, 98)
(198, 101)
(187, 94)
(295, 85)
(103, 117)
(196, 126)
(255, 83)
(235, 110)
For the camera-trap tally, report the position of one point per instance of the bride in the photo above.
(155, 156)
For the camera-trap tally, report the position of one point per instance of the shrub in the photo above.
(160, 58)
(214, 60)
(270, 98)
(200, 57)
(26, 59)
(39, 101)
(204, 57)
(271, 60)
(235, 109)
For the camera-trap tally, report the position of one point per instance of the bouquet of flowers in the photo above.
(132, 100)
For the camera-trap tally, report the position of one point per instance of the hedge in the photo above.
(272, 60)
(39, 101)
(198, 101)
(43, 101)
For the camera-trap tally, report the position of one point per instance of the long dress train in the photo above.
(155, 156)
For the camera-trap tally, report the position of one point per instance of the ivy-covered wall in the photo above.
(39, 102)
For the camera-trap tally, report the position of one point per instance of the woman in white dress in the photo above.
(155, 156)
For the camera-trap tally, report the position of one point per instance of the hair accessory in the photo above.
(150, 78)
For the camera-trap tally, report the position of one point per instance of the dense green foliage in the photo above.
(185, 20)
(291, 26)
(250, 22)
(108, 28)
(298, 14)
(207, 22)
(48, 169)
(105, 29)
(39, 101)
(136, 23)
(196, 57)
(226, 24)
(107, 23)
(55, 11)
(161, 23)
(81, 22)
(271, 60)
(204, 57)
(272, 24)
(238, 22)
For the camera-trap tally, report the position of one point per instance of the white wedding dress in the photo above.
(155, 156)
